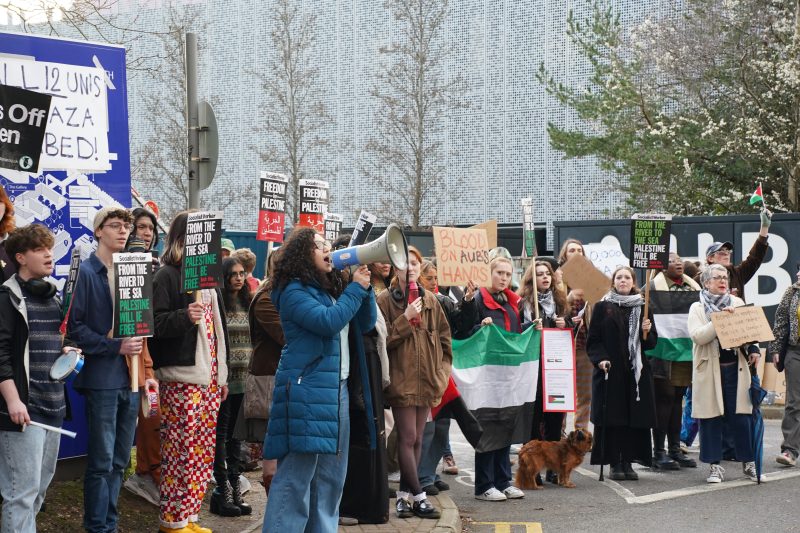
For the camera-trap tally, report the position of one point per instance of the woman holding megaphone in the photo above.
(420, 357)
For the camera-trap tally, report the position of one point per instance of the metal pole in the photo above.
(191, 120)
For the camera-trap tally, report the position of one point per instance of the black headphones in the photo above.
(38, 287)
(398, 295)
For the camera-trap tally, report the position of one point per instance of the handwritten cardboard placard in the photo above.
(462, 254)
(580, 273)
(746, 324)
(650, 241)
(491, 232)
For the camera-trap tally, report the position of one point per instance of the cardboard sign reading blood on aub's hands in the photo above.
(202, 263)
(462, 255)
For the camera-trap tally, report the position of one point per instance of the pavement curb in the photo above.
(450, 521)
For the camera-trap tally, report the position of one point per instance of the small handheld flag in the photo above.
(757, 196)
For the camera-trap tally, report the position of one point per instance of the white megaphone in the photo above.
(390, 247)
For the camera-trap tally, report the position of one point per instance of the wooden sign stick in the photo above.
(648, 276)
(535, 291)
(135, 372)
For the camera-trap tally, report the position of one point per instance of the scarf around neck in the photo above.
(547, 303)
(714, 303)
(635, 303)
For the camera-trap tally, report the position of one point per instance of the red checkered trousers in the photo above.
(188, 440)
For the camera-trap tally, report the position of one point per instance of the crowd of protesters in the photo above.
(314, 367)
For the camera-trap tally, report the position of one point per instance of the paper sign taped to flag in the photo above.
(558, 370)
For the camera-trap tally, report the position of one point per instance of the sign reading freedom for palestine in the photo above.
(650, 241)
(23, 122)
(272, 207)
(202, 263)
(133, 295)
(313, 204)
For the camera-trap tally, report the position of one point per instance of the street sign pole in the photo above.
(192, 121)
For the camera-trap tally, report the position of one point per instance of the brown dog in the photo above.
(561, 457)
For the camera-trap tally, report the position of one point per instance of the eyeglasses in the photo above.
(719, 278)
(116, 226)
(323, 246)
(145, 227)
(723, 252)
(238, 274)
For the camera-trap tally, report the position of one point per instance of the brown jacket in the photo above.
(266, 335)
(145, 365)
(420, 358)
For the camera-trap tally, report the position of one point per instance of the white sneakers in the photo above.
(716, 475)
(515, 448)
(144, 487)
(493, 495)
(513, 493)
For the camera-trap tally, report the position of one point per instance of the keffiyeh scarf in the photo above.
(714, 303)
(635, 303)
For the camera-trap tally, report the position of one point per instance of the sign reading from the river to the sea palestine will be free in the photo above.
(650, 241)
(133, 295)
(202, 265)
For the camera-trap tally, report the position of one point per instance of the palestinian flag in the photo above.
(453, 406)
(757, 196)
(670, 313)
(496, 373)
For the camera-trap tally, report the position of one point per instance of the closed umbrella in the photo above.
(757, 395)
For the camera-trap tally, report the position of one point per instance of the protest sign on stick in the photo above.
(650, 241)
(272, 207)
(333, 226)
(363, 227)
(202, 264)
(133, 301)
(580, 273)
(23, 123)
(313, 204)
(462, 255)
(746, 324)
(528, 228)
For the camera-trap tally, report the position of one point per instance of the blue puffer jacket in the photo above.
(304, 417)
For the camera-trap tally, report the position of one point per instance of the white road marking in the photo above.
(631, 498)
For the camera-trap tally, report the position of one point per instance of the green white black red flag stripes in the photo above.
(670, 313)
(496, 373)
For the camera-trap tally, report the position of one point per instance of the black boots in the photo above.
(630, 475)
(617, 472)
(661, 461)
(236, 490)
(222, 501)
(682, 459)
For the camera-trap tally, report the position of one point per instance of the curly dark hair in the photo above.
(296, 262)
(244, 296)
(7, 220)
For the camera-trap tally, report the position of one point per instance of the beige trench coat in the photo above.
(706, 379)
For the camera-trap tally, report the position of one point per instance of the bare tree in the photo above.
(415, 96)
(160, 163)
(293, 111)
(109, 21)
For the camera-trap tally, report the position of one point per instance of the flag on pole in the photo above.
(757, 196)
(671, 314)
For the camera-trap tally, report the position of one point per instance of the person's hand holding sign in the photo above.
(469, 293)
(646, 325)
(486, 321)
(195, 312)
(131, 346)
(414, 309)
(560, 322)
